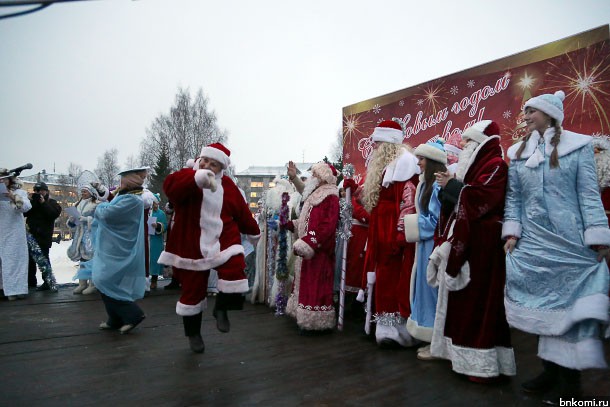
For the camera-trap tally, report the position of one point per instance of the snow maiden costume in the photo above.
(555, 286)
(419, 227)
(13, 244)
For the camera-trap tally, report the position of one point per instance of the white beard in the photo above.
(310, 185)
(464, 160)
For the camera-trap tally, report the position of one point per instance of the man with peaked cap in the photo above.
(118, 269)
(470, 328)
(210, 214)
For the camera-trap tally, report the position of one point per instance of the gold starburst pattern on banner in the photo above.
(431, 97)
(354, 127)
(585, 81)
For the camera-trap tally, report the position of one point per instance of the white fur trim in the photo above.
(388, 135)
(204, 178)
(397, 333)
(371, 277)
(586, 354)
(543, 103)
(360, 297)
(478, 362)
(419, 332)
(216, 154)
(461, 280)
(569, 142)
(556, 323)
(412, 227)
(210, 222)
(431, 153)
(237, 286)
(402, 168)
(190, 310)
(303, 249)
(437, 264)
(475, 132)
(148, 198)
(511, 228)
(171, 259)
(597, 235)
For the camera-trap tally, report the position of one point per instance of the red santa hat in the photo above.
(388, 131)
(326, 172)
(218, 152)
(481, 130)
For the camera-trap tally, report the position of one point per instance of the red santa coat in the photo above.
(470, 327)
(206, 228)
(356, 248)
(387, 252)
(311, 300)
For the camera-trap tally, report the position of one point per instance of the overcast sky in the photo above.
(81, 78)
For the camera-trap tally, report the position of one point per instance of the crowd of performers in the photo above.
(447, 247)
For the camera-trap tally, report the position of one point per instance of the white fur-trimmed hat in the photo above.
(218, 152)
(388, 131)
(481, 130)
(326, 172)
(432, 150)
(549, 104)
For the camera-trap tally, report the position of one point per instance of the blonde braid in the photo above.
(382, 157)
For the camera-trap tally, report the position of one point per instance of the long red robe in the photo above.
(476, 336)
(311, 300)
(387, 253)
(354, 264)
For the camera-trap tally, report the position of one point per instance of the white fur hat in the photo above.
(432, 150)
(549, 104)
(388, 131)
(481, 130)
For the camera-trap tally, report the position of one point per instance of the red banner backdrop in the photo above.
(578, 65)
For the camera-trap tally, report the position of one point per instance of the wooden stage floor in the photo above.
(52, 354)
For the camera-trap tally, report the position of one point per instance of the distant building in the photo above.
(257, 179)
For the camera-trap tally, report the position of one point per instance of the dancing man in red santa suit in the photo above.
(470, 327)
(210, 214)
(311, 300)
(388, 195)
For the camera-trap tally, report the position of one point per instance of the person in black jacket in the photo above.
(41, 221)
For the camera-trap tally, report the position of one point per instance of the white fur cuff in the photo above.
(460, 281)
(511, 228)
(412, 228)
(303, 249)
(597, 235)
(360, 297)
(371, 277)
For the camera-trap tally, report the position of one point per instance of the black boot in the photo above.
(173, 285)
(192, 329)
(222, 320)
(225, 302)
(568, 388)
(545, 381)
(43, 287)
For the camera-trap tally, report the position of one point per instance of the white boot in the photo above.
(91, 289)
(82, 284)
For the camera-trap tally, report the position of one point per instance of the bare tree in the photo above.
(132, 162)
(74, 170)
(189, 125)
(108, 167)
(336, 150)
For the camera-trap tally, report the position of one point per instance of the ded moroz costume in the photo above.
(470, 328)
(210, 213)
